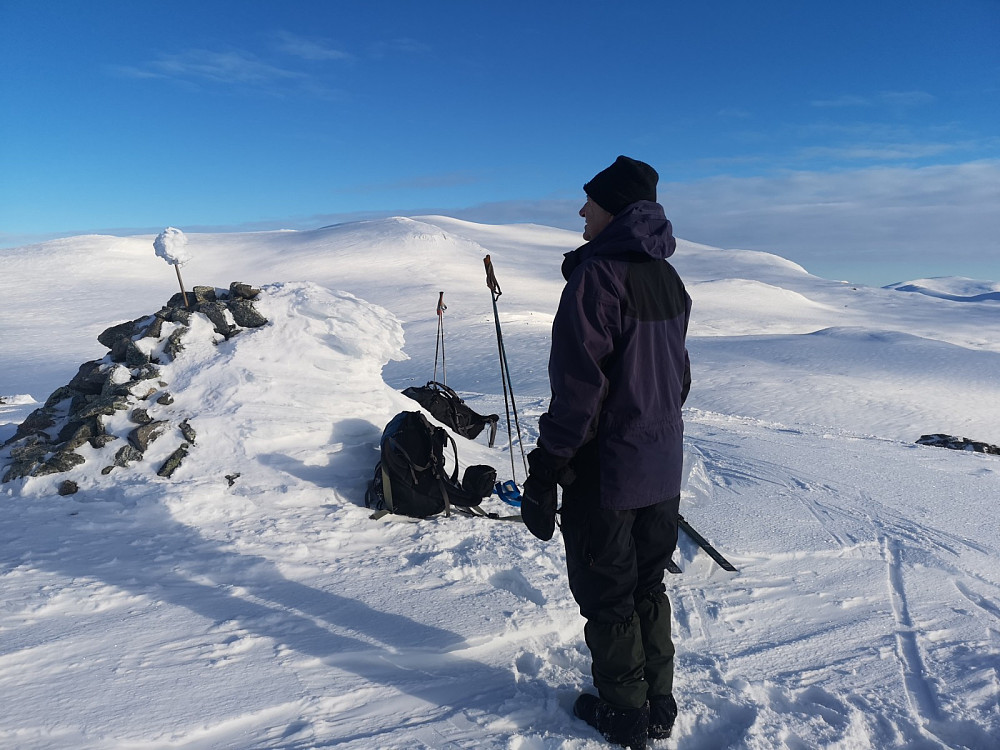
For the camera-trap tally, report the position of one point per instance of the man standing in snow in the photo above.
(613, 439)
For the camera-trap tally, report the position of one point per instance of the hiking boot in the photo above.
(626, 727)
(662, 713)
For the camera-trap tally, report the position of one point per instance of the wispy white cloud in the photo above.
(207, 66)
(906, 98)
(314, 50)
(880, 99)
(878, 151)
(847, 100)
(287, 62)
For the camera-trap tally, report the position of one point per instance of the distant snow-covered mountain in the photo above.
(953, 288)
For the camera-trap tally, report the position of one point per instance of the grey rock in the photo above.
(204, 294)
(134, 356)
(76, 433)
(173, 461)
(19, 469)
(148, 372)
(60, 462)
(142, 436)
(176, 313)
(216, 313)
(60, 394)
(188, 431)
(245, 314)
(110, 336)
(90, 378)
(126, 351)
(68, 488)
(34, 424)
(173, 347)
(99, 441)
(127, 454)
(103, 406)
(140, 416)
(239, 290)
(154, 329)
(32, 450)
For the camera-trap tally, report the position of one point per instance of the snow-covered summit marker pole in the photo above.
(171, 245)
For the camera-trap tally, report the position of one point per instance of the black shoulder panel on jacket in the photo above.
(653, 291)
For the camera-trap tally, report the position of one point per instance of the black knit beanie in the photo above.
(622, 184)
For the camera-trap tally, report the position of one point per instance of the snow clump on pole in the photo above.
(171, 245)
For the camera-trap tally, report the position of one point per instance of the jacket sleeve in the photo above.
(583, 335)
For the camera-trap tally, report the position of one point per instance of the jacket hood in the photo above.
(642, 228)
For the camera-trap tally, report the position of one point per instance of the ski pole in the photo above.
(495, 292)
(439, 342)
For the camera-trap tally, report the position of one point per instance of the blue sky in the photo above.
(861, 139)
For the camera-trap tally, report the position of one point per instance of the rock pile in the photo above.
(129, 380)
(958, 443)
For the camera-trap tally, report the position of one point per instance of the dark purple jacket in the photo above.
(618, 367)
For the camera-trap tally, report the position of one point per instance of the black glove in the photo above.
(538, 499)
(538, 507)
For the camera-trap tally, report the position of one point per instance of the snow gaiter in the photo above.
(653, 611)
(618, 661)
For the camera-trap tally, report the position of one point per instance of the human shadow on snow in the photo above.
(145, 551)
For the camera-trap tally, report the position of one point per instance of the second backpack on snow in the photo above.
(411, 478)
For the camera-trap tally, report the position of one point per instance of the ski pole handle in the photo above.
(441, 305)
(491, 279)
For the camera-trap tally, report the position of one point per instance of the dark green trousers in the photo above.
(633, 660)
(616, 561)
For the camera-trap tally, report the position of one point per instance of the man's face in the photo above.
(596, 219)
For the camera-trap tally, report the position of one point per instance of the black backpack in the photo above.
(411, 478)
(448, 408)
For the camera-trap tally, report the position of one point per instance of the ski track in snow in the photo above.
(854, 527)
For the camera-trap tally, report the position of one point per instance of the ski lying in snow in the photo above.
(673, 567)
(705, 545)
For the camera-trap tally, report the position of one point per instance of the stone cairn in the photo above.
(127, 379)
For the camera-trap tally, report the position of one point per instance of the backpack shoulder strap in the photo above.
(454, 449)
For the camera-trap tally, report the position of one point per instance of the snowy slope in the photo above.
(187, 613)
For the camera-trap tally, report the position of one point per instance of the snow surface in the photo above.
(149, 613)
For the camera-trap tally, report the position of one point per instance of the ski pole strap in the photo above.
(491, 279)
(447, 500)
(494, 419)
